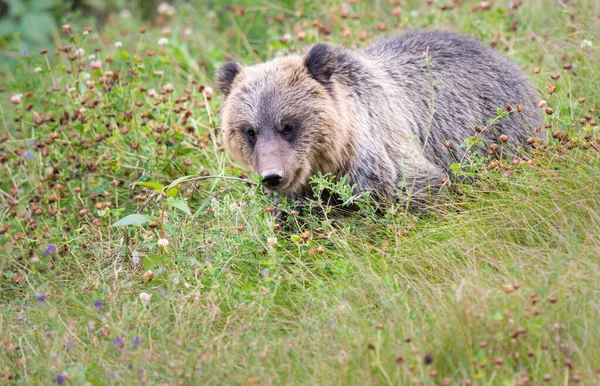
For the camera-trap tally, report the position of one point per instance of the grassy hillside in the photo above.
(133, 251)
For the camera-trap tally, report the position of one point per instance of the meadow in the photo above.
(134, 251)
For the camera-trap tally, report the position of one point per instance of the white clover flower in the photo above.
(91, 57)
(585, 43)
(125, 14)
(85, 32)
(16, 99)
(158, 73)
(163, 243)
(96, 64)
(542, 103)
(37, 69)
(188, 31)
(163, 41)
(166, 31)
(145, 298)
(118, 44)
(208, 91)
(272, 240)
(152, 93)
(166, 9)
(80, 52)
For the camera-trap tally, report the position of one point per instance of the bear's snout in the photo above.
(272, 178)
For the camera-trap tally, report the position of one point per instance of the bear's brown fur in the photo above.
(383, 116)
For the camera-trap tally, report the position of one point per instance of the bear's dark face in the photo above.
(277, 119)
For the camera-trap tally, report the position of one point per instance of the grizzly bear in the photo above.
(391, 116)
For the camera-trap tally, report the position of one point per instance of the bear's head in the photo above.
(282, 119)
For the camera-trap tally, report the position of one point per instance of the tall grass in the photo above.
(495, 283)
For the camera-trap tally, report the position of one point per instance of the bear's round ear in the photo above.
(226, 75)
(321, 62)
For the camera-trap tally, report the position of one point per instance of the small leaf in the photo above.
(152, 261)
(178, 181)
(179, 204)
(496, 315)
(133, 219)
(172, 192)
(153, 185)
(125, 54)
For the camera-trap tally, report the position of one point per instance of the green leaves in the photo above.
(155, 186)
(33, 22)
(154, 261)
(133, 219)
(179, 204)
(37, 27)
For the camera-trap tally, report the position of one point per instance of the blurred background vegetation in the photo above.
(29, 25)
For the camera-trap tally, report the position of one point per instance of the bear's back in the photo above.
(455, 83)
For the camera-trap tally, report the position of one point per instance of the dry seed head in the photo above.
(148, 276)
(428, 359)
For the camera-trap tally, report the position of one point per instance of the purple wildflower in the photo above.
(98, 305)
(266, 272)
(70, 344)
(24, 53)
(60, 379)
(111, 374)
(50, 249)
(41, 298)
(29, 155)
(118, 342)
(208, 260)
(31, 143)
(136, 341)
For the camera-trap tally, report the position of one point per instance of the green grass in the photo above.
(497, 284)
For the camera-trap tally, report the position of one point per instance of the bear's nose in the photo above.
(272, 178)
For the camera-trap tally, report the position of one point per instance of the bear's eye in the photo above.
(288, 128)
(251, 133)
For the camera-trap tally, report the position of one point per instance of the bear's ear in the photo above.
(321, 62)
(226, 75)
